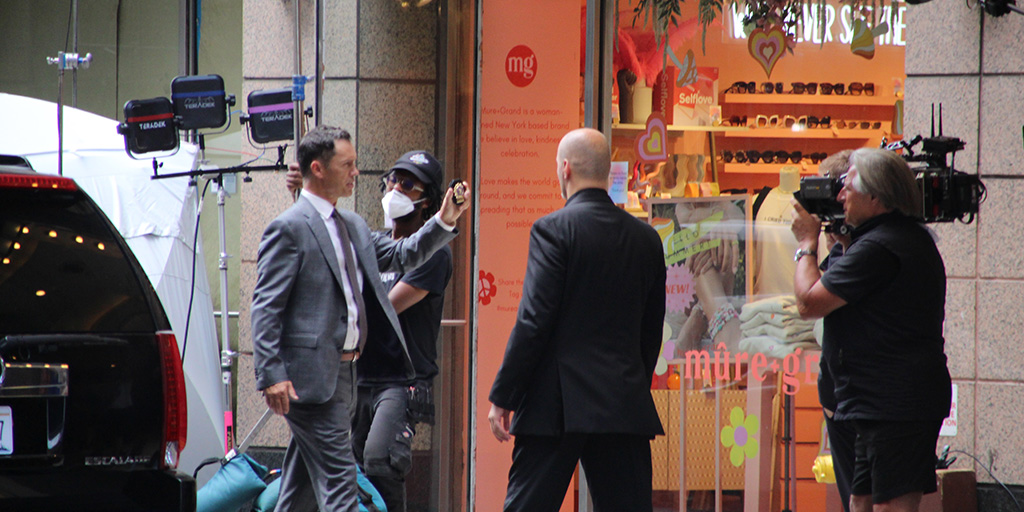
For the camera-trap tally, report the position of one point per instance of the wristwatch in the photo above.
(800, 253)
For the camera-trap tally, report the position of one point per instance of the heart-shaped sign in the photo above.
(650, 145)
(767, 46)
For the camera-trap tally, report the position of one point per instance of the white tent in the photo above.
(157, 219)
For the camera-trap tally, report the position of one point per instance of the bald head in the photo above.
(588, 155)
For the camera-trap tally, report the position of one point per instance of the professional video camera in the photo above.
(947, 194)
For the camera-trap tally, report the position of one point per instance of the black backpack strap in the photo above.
(761, 194)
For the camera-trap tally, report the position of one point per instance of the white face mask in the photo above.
(396, 205)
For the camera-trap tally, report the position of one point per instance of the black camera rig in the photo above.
(946, 193)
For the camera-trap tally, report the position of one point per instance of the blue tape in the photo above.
(299, 87)
(197, 94)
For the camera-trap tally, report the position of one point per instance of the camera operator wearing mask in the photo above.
(883, 304)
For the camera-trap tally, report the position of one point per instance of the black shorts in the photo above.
(894, 458)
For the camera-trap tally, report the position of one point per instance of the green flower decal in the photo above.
(740, 436)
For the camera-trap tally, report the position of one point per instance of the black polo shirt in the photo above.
(884, 348)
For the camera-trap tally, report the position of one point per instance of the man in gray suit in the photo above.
(317, 292)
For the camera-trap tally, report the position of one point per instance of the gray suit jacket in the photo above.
(298, 309)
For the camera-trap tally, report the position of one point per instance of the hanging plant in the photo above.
(660, 13)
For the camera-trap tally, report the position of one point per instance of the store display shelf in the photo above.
(638, 213)
(818, 133)
(805, 169)
(810, 99)
(632, 127)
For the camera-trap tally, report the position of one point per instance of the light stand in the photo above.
(999, 8)
(65, 61)
(227, 356)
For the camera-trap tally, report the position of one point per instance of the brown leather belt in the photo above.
(349, 355)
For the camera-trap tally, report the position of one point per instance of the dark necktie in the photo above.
(350, 271)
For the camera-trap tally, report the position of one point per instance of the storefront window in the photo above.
(710, 142)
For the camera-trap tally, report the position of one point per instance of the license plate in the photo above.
(6, 430)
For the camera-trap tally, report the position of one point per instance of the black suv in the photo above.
(92, 393)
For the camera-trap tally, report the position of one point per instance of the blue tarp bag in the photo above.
(369, 499)
(237, 482)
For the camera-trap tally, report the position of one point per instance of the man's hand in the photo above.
(293, 179)
(499, 420)
(450, 211)
(278, 396)
(806, 227)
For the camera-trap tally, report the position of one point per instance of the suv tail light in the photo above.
(36, 181)
(175, 402)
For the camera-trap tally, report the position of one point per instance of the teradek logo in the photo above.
(521, 65)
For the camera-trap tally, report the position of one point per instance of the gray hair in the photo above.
(887, 176)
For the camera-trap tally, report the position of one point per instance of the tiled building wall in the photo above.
(972, 64)
(380, 84)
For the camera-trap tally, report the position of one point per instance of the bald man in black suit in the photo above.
(577, 368)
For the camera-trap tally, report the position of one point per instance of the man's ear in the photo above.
(566, 171)
(316, 169)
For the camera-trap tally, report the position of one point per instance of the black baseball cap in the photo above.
(423, 165)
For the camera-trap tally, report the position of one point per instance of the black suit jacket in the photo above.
(589, 327)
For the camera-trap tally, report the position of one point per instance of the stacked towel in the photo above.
(773, 326)
(772, 347)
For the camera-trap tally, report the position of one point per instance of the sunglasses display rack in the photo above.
(802, 123)
(625, 133)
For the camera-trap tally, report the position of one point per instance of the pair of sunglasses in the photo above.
(804, 88)
(817, 157)
(728, 156)
(857, 88)
(795, 157)
(838, 89)
(815, 122)
(863, 125)
(406, 183)
(763, 121)
(736, 121)
(743, 88)
(769, 87)
(768, 157)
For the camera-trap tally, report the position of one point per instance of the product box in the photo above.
(686, 105)
(957, 492)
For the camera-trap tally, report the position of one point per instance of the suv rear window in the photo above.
(62, 269)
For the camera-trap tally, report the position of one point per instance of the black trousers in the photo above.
(841, 438)
(382, 440)
(617, 466)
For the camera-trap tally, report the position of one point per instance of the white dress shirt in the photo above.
(326, 211)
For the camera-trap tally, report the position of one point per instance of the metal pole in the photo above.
(60, 119)
(318, 78)
(74, 71)
(226, 354)
(297, 113)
